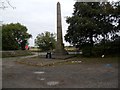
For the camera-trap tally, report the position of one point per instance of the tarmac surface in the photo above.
(23, 75)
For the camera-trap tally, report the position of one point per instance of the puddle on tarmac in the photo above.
(108, 65)
(39, 72)
(52, 83)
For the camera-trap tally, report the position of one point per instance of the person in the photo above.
(26, 47)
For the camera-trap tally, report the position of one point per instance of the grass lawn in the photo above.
(99, 60)
(105, 59)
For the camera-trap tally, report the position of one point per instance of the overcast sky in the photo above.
(37, 15)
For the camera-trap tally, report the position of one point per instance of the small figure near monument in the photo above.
(48, 55)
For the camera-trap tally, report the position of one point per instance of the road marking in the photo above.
(52, 83)
(39, 72)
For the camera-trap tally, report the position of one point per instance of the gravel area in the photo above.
(82, 75)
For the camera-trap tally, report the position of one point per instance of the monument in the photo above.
(59, 50)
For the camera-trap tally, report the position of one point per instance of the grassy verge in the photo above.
(16, 53)
(101, 60)
(107, 59)
(42, 62)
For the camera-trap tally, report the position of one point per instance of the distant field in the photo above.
(34, 49)
(70, 49)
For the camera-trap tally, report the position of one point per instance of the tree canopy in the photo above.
(14, 36)
(93, 22)
(45, 41)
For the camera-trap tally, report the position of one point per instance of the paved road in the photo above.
(17, 75)
(0, 73)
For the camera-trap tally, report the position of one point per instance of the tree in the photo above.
(14, 36)
(92, 20)
(5, 4)
(45, 41)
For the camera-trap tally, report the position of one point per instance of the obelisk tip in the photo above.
(58, 2)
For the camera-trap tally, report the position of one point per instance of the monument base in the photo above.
(61, 54)
(62, 57)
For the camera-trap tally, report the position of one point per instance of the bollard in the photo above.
(48, 55)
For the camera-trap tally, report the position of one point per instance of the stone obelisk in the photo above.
(59, 45)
